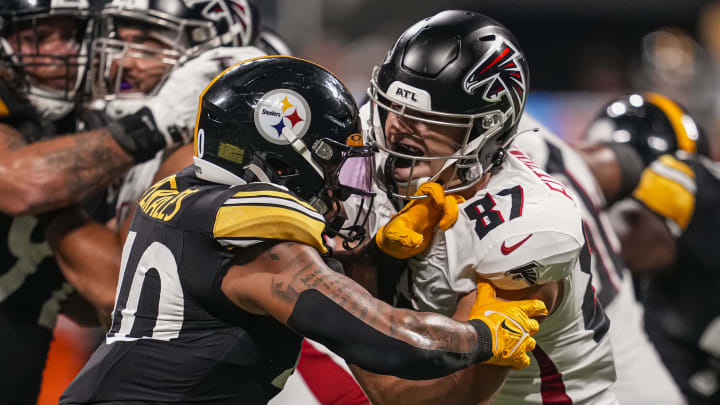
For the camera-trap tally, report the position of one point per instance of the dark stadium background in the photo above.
(581, 53)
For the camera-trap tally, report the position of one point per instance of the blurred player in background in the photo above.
(641, 376)
(668, 231)
(167, 52)
(213, 275)
(44, 53)
(445, 107)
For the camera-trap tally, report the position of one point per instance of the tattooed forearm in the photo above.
(285, 292)
(424, 330)
(87, 164)
(57, 172)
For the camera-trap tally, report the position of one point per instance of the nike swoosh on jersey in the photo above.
(506, 250)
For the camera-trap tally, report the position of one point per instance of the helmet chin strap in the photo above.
(301, 149)
(475, 144)
(257, 172)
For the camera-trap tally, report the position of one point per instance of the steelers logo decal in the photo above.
(281, 110)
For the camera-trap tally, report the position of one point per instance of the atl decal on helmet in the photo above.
(279, 110)
(505, 76)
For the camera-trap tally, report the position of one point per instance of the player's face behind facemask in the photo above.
(434, 140)
(458, 79)
(45, 55)
(140, 43)
(133, 59)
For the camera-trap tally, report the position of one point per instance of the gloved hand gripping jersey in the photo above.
(410, 231)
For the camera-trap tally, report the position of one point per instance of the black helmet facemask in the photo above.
(348, 172)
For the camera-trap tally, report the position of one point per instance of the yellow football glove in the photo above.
(510, 326)
(410, 231)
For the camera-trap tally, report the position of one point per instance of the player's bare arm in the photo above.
(89, 253)
(291, 283)
(477, 384)
(64, 170)
(648, 245)
(274, 282)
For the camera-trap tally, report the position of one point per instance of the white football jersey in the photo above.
(135, 181)
(642, 378)
(523, 228)
(140, 177)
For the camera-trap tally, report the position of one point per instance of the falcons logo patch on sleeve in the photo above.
(499, 74)
(527, 273)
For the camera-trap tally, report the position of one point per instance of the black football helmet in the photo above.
(290, 122)
(31, 65)
(456, 69)
(651, 123)
(185, 28)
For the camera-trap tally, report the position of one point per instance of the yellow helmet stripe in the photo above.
(674, 114)
(4, 110)
(200, 100)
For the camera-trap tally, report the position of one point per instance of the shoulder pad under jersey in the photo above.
(259, 212)
(518, 233)
(668, 188)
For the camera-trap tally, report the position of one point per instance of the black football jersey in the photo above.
(32, 290)
(682, 306)
(175, 337)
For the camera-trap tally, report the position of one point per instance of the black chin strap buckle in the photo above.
(499, 157)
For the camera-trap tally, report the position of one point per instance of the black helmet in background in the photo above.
(651, 124)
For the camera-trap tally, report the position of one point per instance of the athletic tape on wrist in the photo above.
(138, 135)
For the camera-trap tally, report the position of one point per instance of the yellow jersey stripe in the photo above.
(666, 197)
(679, 165)
(269, 222)
(675, 114)
(277, 194)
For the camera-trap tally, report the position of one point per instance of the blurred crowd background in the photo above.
(581, 54)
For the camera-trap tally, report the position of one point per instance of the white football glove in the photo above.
(174, 107)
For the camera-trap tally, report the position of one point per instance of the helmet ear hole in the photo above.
(215, 119)
(280, 168)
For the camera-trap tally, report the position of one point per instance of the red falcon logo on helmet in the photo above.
(499, 73)
(235, 13)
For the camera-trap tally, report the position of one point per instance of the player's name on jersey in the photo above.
(162, 201)
(549, 181)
